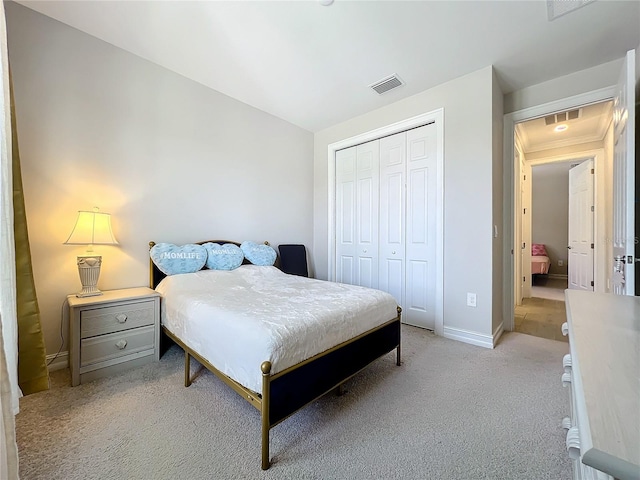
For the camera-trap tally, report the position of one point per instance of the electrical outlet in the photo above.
(560, 263)
(471, 299)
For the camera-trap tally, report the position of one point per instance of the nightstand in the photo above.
(113, 332)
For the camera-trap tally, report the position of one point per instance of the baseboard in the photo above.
(467, 336)
(498, 333)
(61, 361)
(558, 275)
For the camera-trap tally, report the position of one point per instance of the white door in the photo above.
(367, 191)
(420, 246)
(393, 155)
(346, 245)
(357, 190)
(623, 279)
(386, 200)
(581, 212)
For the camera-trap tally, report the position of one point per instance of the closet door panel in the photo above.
(393, 280)
(418, 212)
(346, 236)
(393, 199)
(416, 290)
(367, 211)
(366, 270)
(420, 233)
(392, 214)
(346, 269)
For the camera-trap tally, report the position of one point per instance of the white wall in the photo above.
(550, 211)
(595, 78)
(541, 155)
(170, 159)
(497, 113)
(468, 190)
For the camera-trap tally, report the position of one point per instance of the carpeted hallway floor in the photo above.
(452, 411)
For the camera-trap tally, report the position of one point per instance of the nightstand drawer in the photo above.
(107, 347)
(116, 318)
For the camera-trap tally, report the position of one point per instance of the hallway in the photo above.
(544, 313)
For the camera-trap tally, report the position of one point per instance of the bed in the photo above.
(280, 341)
(540, 261)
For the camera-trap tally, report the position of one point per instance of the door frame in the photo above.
(510, 120)
(435, 116)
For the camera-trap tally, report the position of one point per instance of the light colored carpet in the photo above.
(549, 288)
(452, 411)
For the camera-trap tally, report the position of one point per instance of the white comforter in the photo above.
(238, 319)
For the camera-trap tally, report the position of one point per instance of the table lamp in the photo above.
(91, 228)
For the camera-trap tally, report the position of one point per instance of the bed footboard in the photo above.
(288, 391)
(292, 390)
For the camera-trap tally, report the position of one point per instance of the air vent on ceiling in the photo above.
(563, 116)
(386, 84)
(557, 8)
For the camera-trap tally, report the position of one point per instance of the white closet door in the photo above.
(420, 244)
(357, 194)
(385, 219)
(367, 195)
(346, 245)
(393, 154)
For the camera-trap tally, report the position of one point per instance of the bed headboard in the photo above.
(156, 276)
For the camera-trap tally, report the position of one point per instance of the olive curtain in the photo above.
(9, 390)
(33, 375)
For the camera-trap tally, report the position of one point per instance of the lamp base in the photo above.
(89, 271)
(88, 293)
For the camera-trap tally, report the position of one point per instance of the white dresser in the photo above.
(113, 332)
(603, 372)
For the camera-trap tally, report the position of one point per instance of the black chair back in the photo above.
(293, 260)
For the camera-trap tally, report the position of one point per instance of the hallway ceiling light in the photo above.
(561, 128)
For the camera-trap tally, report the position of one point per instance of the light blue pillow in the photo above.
(173, 259)
(223, 257)
(258, 254)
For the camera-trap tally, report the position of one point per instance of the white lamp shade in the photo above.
(92, 228)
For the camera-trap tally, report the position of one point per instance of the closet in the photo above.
(385, 219)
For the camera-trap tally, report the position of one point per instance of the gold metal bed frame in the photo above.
(286, 392)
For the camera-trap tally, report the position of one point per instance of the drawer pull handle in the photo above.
(121, 317)
(121, 344)
(565, 329)
(573, 443)
(566, 363)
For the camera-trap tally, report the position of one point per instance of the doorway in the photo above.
(556, 217)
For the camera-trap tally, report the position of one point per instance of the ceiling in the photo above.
(590, 126)
(311, 64)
